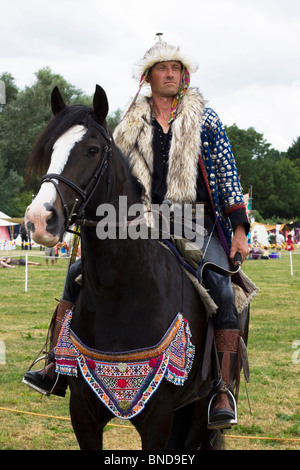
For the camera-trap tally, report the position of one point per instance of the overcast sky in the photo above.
(247, 50)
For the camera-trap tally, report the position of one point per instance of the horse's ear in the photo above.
(57, 102)
(100, 103)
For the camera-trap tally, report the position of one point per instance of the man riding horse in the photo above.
(179, 151)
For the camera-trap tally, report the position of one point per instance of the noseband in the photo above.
(86, 193)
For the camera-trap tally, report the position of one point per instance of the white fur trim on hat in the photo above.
(163, 52)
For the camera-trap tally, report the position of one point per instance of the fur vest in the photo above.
(198, 142)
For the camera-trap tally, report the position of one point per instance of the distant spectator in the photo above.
(64, 249)
(280, 238)
(3, 264)
(265, 254)
(256, 252)
(50, 253)
(24, 237)
(57, 248)
(289, 243)
(12, 263)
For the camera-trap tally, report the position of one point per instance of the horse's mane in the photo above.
(136, 183)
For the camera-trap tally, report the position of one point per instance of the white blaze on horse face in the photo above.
(37, 213)
(63, 147)
(61, 151)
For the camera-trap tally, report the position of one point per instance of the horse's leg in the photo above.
(190, 430)
(181, 426)
(154, 424)
(154, 429)
(88, 418)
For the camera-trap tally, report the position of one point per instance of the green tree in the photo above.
(287, 190)
(28, 114)
(249, 146)
(293, 153)
(11, 182)
(25, 115)
(273, 177)
(10, 87)
(11, 187)
(114, 119)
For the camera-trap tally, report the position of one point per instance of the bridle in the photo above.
(87, 193)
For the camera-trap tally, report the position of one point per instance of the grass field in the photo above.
(30, 421)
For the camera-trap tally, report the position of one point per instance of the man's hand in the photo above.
(239, 243)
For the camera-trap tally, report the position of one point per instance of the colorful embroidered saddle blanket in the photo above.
(125, 381)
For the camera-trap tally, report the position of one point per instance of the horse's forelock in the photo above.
(39, 159)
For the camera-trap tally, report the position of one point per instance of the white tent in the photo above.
(260, 234)
(4, 226)
(6, 221)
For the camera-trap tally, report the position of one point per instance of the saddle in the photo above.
(191, 257)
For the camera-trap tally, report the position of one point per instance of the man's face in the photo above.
(164, 79)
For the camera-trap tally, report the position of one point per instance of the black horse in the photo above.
(132, 287)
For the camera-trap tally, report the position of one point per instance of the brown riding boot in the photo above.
(222, 412)
(44, 381)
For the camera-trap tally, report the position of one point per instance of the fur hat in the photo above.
(163, 52)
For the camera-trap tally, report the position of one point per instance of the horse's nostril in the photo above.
(54, 221)
(30, 227)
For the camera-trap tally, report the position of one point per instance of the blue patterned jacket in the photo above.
(221, 176)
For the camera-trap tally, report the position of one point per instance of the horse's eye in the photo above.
(93, 151)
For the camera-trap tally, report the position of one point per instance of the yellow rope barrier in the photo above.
(228, 436)
(280, 439)
(56, 417)
(35, 414)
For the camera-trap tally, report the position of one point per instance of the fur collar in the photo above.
(134, 136)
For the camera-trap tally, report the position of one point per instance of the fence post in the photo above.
(26, 273)
(2, 353)
(291, 263)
